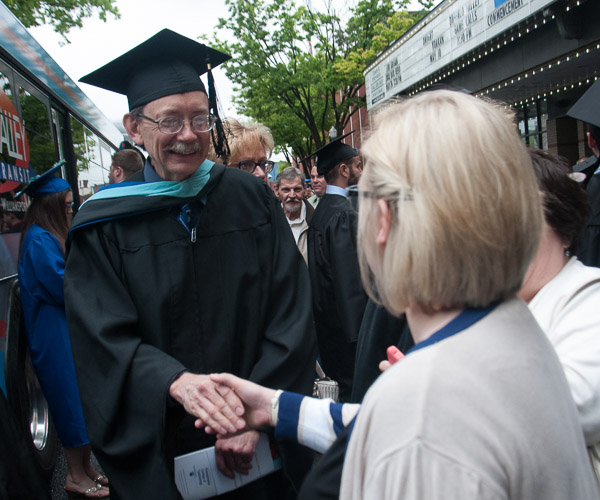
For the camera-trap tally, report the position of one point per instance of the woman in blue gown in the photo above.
(41, 274)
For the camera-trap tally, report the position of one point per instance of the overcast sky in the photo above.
(98, 43)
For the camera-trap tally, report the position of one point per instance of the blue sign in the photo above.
(498, 3)
(10, 172)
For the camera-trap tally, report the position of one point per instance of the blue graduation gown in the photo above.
(41, 275)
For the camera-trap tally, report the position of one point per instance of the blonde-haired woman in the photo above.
(250, 147)
(449, 221)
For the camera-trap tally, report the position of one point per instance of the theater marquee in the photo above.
(447, 33)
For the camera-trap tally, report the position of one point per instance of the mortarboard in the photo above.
(46, 183)
(165, 64)
(587, 108)
(332, 154)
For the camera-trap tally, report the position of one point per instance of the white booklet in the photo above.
(197, 476)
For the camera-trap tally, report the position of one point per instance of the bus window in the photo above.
(14, 155)
(42, 151)
(95, 174)
(5, 86)
(58, 121)
(106, 153)
(80, 148)
(93, 159)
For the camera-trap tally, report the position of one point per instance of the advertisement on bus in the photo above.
(14, 171)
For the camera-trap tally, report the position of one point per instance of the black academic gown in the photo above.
(338, 296)
(144, 303)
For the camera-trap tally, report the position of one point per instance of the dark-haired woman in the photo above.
(563, 294)
(41, 273)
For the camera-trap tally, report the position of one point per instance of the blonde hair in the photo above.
(242, 135)
(465, 209)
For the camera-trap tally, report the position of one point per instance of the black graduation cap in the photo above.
(46, 183)
(332, 154)
(587, 108)
(165, 64)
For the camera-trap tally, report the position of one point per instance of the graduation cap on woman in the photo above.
(46, 183)
(165, 64)
(332, 154)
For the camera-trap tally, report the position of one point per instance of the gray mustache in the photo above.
(183, 149)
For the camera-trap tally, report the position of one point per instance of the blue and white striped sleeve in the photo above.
(312, 422)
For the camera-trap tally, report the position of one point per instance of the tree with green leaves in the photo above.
(298, 69)
(61, 14)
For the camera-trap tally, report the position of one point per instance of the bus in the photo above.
(44, 117)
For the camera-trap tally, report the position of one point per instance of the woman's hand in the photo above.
(257, 400)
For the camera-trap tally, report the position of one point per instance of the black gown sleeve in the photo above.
(350, 298)
(289, 338)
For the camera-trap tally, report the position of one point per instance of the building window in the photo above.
(532, 118)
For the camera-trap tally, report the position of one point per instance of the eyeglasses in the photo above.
(173, 124)
(69, 204)
(353, 195)
(250, 166)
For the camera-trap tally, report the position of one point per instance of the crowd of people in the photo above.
(198, 296)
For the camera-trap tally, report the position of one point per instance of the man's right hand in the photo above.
(220, 410)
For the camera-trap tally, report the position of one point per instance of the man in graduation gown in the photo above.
(587, 109)
(181, 271)
(338, 296)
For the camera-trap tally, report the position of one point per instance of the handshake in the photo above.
(224, 404)
(231, 408)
